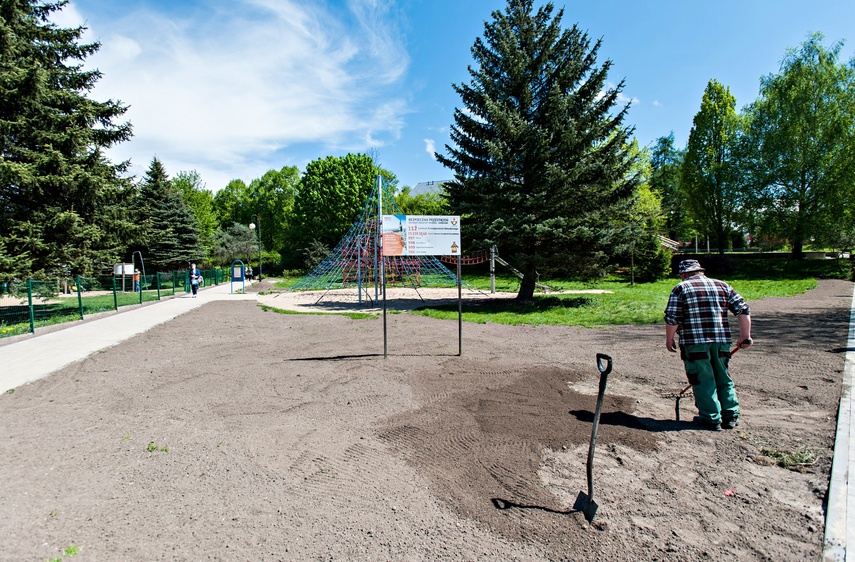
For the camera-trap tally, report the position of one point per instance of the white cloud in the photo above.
(657, 103)
(430, 147)
(624, 99)
(222, 89)
(68, 17)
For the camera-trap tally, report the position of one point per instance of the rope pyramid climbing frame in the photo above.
(355, 261)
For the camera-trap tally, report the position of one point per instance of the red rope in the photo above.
(480, 256)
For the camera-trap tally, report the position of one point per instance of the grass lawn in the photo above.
(61, 309)
(624, 303)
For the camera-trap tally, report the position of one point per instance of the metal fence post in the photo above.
(173, 282)
(116, 298)
(79, 295)
(141, 286)
(30, 306)
(157, 283)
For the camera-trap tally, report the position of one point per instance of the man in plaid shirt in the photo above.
(697, 312)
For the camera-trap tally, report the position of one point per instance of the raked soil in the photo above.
(235, 433)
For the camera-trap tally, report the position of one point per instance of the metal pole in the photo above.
(379, 249)
(383, 268)
(30, 306)
(260, 250)
(378, 235)
(459, 309)
(80, 296)
(115, 299)
(359, 271)
(492, 270)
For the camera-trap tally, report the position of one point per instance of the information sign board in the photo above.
(421, 235)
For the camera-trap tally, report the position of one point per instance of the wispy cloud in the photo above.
(246, 78)
(430, 147)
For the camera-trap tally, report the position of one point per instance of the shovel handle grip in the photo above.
(604, 370)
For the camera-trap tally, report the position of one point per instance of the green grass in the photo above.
(70, 550)
(797, 461)
(153, 447)
(15, 320)
(642, 303)
(351, 315)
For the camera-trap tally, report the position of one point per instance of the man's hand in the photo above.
(670, 332)
(745, 343)
(671, 345)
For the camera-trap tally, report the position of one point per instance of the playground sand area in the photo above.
(232, 433)
(372, 301)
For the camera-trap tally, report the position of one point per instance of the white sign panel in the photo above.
(421, 235)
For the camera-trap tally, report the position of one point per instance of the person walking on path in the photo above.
(697, 313)
(195, 278)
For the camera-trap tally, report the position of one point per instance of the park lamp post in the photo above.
(252, 227)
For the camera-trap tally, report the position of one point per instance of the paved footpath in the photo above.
(28, 360)
(839, 527)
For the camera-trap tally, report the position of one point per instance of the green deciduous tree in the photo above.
(61, 201)
(271, 200)
(710, 174)
(801, 138)
(421, 203)
(228, 203)
(267, 201)
(640, 248)
(331, 196)
(540, 155)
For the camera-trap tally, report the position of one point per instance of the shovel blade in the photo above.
(586, 506)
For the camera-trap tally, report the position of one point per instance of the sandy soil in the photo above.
(232, 433)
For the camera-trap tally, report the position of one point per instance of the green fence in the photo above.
(25, 306)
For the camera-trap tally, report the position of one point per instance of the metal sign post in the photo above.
(422, 235)
(238, 274)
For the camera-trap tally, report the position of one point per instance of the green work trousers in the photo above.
(706, 368)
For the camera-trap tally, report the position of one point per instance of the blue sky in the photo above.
(233, 88)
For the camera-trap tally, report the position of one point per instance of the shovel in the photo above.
(586, 503)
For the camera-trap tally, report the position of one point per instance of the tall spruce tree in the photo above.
(61, 201)
(172, 234)
(540, 155)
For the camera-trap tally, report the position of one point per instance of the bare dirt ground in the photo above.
(232, 433)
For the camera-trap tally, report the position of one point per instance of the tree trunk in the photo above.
(798, 250)
(527, 286)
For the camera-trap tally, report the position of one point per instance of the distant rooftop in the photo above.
(427, 187)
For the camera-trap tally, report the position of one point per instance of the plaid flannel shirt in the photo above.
(698, 307)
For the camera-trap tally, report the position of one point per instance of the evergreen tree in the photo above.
(61, 201)
(541, 161)
(711, 176)
(172, 234)
(665, 162)
(201, 202)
